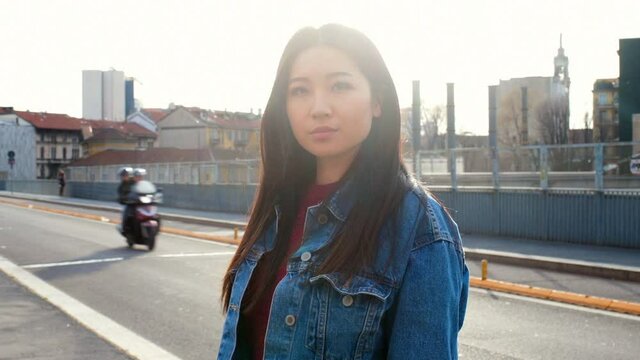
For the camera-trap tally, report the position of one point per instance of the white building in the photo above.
(103, 95)
(18, 136)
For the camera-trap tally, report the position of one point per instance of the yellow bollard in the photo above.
(485, 263)
(235, 233)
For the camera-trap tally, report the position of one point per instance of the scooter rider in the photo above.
(126, 181)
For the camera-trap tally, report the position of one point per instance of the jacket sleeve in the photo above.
(429, 308)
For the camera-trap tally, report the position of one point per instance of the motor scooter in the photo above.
(142, 222)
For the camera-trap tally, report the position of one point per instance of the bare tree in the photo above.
(432, 122)
(553, 120)
(512, 137)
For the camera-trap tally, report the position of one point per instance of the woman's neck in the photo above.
(331, 169)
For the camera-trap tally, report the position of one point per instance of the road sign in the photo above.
(12, 158)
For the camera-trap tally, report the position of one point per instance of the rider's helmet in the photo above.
(125, 171)
(139, 172)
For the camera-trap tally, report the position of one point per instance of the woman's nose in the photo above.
(321, 107)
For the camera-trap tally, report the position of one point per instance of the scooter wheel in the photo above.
(151, 243)
(129, 242)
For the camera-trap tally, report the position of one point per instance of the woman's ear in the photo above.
(376, 108)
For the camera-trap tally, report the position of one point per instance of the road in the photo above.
(171, 296)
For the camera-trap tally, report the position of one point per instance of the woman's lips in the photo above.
(323, 133)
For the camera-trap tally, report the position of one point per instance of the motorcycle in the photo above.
(143, 221)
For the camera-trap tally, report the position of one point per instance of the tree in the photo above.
(432, 121)
(553, 122)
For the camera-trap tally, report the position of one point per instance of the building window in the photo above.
(75, 153)
(64, 153)
(74, 139)
(603, 99)
(42, 152)
(53, 153)
(603, 116)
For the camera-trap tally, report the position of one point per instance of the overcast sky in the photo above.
(224, 54)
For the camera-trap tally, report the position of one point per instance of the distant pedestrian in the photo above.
(61, 182)
(345, 255)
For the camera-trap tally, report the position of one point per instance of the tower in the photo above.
(561, 69)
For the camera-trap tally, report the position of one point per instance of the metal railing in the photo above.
(596, 166)
(188, 173)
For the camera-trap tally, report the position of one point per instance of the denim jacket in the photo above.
(410, 304)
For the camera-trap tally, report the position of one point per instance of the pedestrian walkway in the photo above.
(31, 328)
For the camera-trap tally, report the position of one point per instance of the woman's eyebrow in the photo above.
(338, 73)
(300, 78)
(328, 76)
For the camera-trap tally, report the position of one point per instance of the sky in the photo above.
(224, 54)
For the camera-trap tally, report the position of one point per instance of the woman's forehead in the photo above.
(323, 61)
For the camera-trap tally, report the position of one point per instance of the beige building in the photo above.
(516, 120)
(535, 110)
(605, 110)
(195, 128)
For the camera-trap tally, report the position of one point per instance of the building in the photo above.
(535, 110)
(629, 86)
(103, 95)
(148, 118)
(59, 139)
(101, 135)
(16, 136)
(605, 110)
(194, 128)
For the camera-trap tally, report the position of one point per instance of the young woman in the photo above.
(345, 255)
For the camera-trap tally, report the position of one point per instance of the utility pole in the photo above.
(415, 116)
(451, 135)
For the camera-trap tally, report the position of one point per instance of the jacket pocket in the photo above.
(344, 317)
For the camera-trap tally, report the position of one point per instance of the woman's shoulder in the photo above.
(432, 221)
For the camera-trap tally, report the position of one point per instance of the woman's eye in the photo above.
(297, 91)
(341, 86)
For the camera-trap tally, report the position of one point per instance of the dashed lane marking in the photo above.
(97, 261)
(67, 263)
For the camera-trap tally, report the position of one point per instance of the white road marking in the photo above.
(556, 304)
(67, 263)
(95, 261)
(116, 334)
(196, 254)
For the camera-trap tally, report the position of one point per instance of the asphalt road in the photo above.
(171, 296)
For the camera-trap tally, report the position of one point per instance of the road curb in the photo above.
(172, 217)
(547, 263)
(164, 229)
(556, 295)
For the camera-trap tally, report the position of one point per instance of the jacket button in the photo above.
(305, 256)
(347, 300)
(322, 219)
(290, 320)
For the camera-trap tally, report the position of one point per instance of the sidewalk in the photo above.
(31, 328)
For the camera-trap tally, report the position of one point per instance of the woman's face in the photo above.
(329, 103)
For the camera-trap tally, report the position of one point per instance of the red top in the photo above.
(257, 319)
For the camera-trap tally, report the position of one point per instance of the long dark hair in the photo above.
(287, 169)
